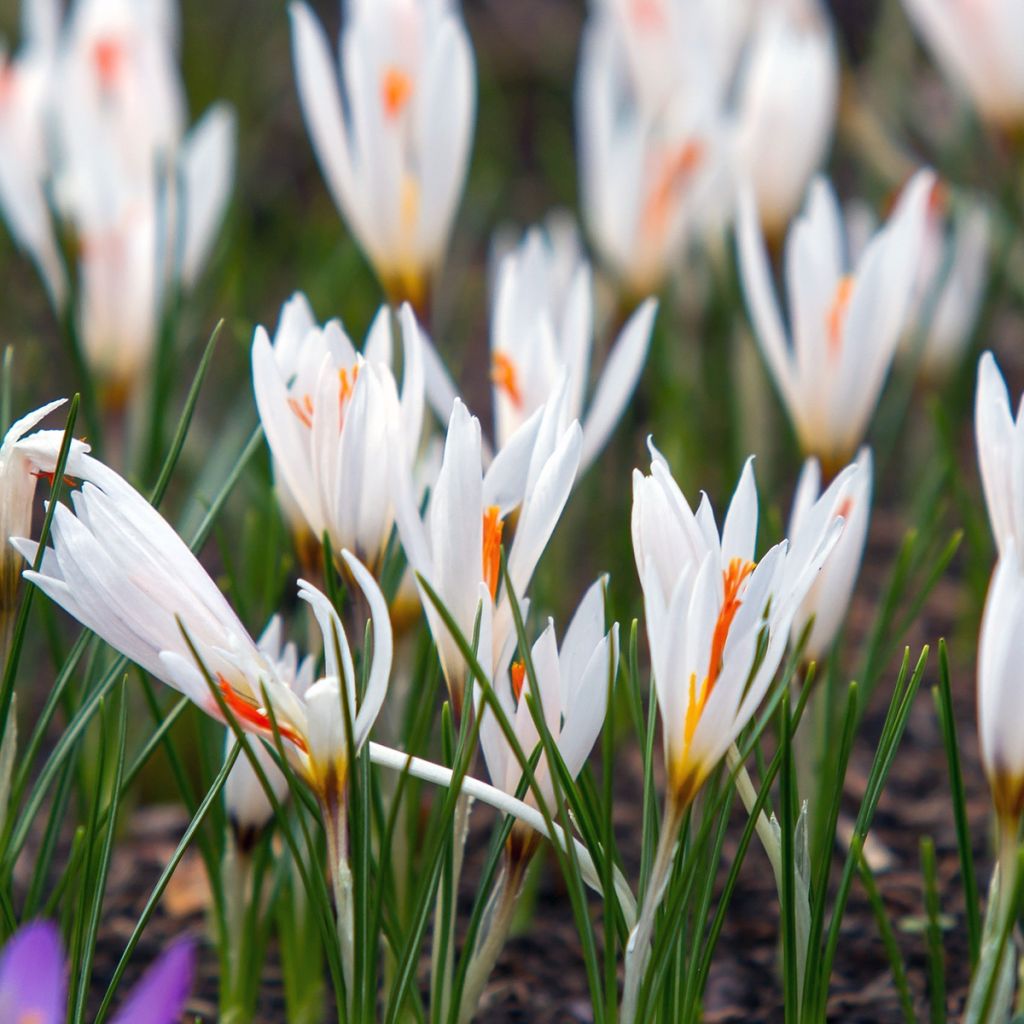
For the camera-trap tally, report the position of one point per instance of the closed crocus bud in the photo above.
(24, 458)
(846, 314)
(999, 437)
(828, 599)
(951, 283)
(978, 46)
(328, 413)
(394, 152)
(786, 106)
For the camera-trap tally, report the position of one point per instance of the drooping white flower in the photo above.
(573, 685)
(786, 105)
(329, 413)
(456, 547)
(120, 569)
(24, 458)
(999, 437)
(393, 141)
(717, 620)
(249, 810)
(846, 317)
(977, 44)
(828, 598)
(651, 121)
(542, 336)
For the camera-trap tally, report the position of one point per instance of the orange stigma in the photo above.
(505, 377)
(845, 508)
(671, 176)
(347, 383)
(247, 711)
(733, 579)
(303, 409)
(518, 674)
(47, 475)
(395, 90)
(493, 527)
(835, 319)
(108, 55)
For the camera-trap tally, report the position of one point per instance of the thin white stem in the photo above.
(437, 774)
(638, 948)
(341, 880)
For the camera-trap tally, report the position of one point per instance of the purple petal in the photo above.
(160, 995)
(33, 985)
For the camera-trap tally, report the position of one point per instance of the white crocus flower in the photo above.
(1000, 441)
(118, 567)
(542, 334)
(708, 604)
(846, 317)
(393, 141)
(950, 286)
(573, 684)
(24, 458)
(828, 599)
(650, 97)
(456, 548)
(249, 810)
(786, 106)
(329, 414)
(24, 83)
(977, 44)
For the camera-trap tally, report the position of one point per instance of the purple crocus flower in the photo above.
(33, 982)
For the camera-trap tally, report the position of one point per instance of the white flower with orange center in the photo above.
(977, 43)
(328, 413)
(573, 684)
(651, 92)
(846, 317)
(457, 546)
(120, 569)
(786, 105)
(542, 336)
(828, 599)
(393, 141)
(718, 620)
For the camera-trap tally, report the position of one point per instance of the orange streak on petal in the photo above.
(671, 177)
(303, 409)
(395, 90)
(835, 319)
(109, 56)
(493, 527)
(246, 711)
(505, 377)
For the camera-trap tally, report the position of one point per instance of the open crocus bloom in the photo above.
(977, 44)
(786, 106)
(652, 83)
(717, 620)
(829, 596)
(96, 113)
(24, 82)
(329, 414)
(394, 152)
(573, 685)
(118, 567)
(456, 548)
(33, 981)
(950, 283)
(542, 333)
(1000, 442)
(846, 317)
